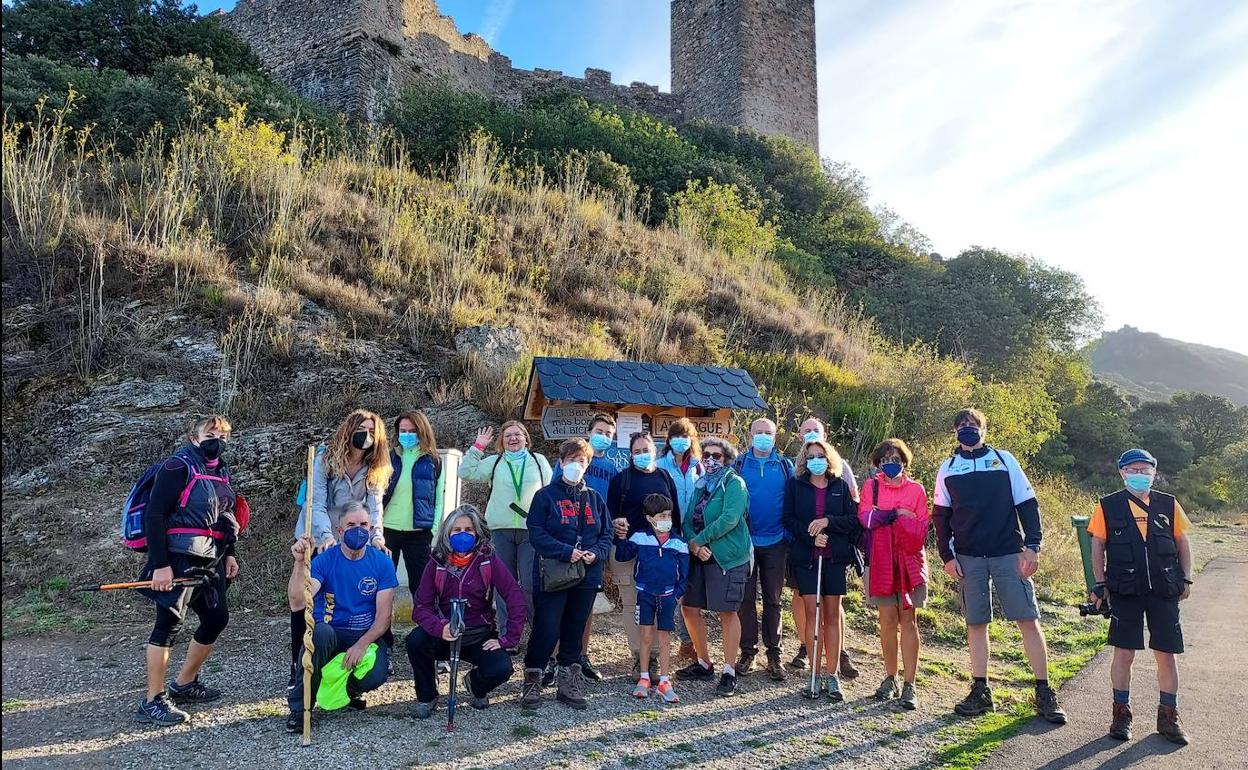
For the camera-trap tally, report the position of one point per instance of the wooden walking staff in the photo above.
(308, 621)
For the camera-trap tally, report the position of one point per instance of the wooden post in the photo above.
(308, 620)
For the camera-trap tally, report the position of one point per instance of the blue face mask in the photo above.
(600, 443)
(680, 444)
(463, 542)
(891, 470)
(409, 440)
(1139, 482)
(817, 465)
(812, 435)
(969, 435)
(516, 456)
(355, 538)
(763, 442)
(643, 461)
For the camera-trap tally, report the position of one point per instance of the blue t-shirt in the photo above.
(348, 595)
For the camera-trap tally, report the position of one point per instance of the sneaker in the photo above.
(1120, 727)
(571, 690)
(979, 701)
(294, 722)
(1168, 726)
(745, 663)
(193, 692)
(696, 672)
(727, 685)
(887, 689)
(642, 690)
(442, 667)
(833, 686)
(160, 711)
(356, 702)
(531, 692)
(775, 668)
(813, 692)
(1048, 707)
(480, 704)
(847, 669)
(667, 692)
(548, 675)
(799, 660)
(909, 700)
(588, 671)
(424, 710)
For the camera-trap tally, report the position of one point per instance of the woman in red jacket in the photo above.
(893, 510)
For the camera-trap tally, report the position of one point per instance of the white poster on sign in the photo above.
(626, 424)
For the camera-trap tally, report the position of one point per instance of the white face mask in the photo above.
(574, 472)
(663, 527)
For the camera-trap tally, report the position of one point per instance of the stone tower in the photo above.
(748, 63)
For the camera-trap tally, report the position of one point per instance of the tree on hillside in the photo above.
(128, 35)
(1210, 423)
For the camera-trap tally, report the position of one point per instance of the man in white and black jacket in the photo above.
(988, 531)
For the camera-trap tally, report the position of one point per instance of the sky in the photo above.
(1108, 138)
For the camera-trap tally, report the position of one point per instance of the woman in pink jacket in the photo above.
(893, 511)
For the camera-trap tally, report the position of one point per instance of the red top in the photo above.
(897, 560)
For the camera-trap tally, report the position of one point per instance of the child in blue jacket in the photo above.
(661, 575)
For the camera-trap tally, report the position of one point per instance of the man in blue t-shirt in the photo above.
(353, 598)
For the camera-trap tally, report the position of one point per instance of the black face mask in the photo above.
(362, 439)
(211, 448)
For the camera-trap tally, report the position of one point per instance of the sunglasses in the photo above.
(713, 455)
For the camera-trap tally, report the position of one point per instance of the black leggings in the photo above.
(413, 545)
(207, 602)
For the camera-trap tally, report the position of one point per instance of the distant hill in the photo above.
(1154, 367)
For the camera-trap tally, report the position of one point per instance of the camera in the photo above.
(1091, 609)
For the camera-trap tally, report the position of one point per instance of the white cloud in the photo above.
(1072, 131)
(497, 13)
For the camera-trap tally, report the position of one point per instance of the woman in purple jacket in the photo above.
(462, 566)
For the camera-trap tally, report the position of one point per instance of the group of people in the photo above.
(691, 529)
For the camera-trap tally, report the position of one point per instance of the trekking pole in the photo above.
(307, 607)
(814, 654)
(188, 582)
(457, 631)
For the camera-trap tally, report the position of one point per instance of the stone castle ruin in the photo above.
(748, 63)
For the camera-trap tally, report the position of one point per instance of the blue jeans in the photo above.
(328, 642)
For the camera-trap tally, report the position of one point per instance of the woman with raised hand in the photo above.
(463, 568)
(354, 467)
(514, 475)
(413, 499)
(821, 517)
(893, 510)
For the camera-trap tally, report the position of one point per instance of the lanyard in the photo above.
(517, 480)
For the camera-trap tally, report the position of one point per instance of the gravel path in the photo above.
(68, 702)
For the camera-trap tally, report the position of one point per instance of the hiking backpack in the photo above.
(133, 531)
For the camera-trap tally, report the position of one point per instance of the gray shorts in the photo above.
(1016, 593)
(712, 588)
(918, 595)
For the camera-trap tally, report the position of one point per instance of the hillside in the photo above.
(1154, 367)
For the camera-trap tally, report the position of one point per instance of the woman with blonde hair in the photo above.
(821, 517)
(353, 467)
(514, 475)
(413, 499)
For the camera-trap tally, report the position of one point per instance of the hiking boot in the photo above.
(686, 653)
(799, 660)
(775, 668)
(642, 690)
(727, 685)
(294, 722)
(480, 704)
(908, 699)
(667, 692)
(572, 687)
(194, 692)
(1120, 728)
(745, 663)
(979, 701)
(813, 693)
(833, 686)
(356, 702)
(847, 669)
(696, 672)
(548, 674)
(1168, 726)
(589, 672)
(161, 711)
(424, 710)
(887, 689)
(1048, 707)
(531, 691)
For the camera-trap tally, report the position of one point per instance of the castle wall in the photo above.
(779, 90)
(706, 59)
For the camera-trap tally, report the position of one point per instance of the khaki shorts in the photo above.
(918, 595)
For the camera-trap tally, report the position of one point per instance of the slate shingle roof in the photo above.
(632, 382)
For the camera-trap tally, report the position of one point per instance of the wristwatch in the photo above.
(1033, 548)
